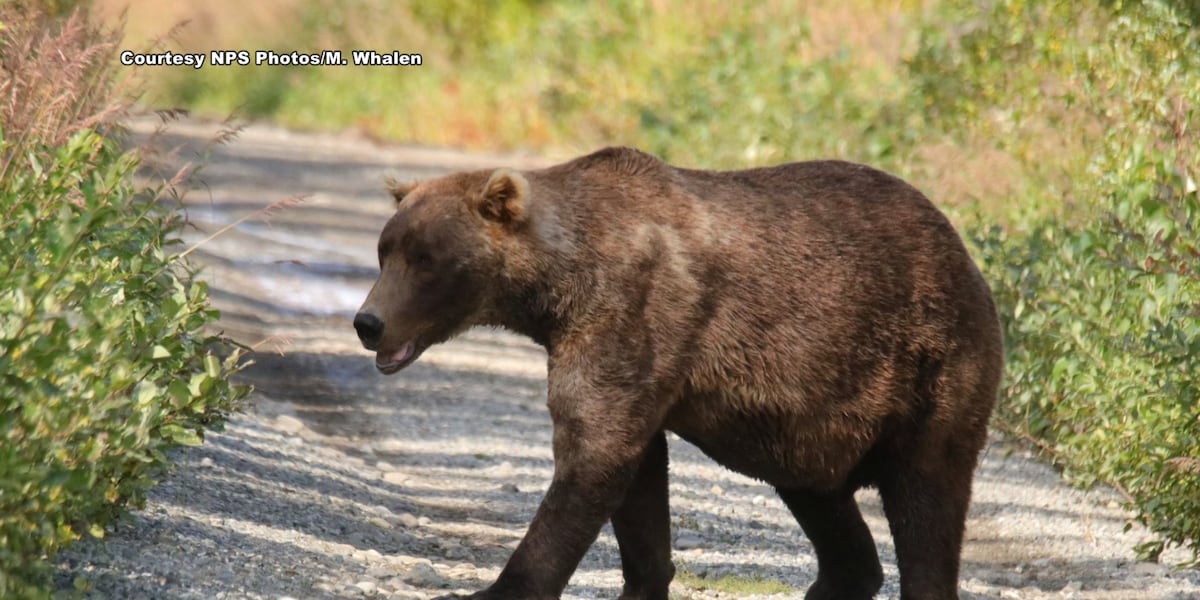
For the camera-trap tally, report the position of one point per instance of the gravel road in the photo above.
(338, 482)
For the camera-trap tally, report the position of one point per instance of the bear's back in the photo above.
(825, 234)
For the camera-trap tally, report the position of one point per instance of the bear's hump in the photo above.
(621, 159)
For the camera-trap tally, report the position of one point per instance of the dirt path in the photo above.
(341, 483)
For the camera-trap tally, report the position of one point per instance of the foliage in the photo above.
(734, 585)
(104, 363)
(1102, 305)
(729, 84)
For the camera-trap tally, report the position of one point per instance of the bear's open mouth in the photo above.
(390, 362)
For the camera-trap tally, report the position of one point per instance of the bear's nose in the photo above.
(369, 329)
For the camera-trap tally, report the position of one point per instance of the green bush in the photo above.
(104, 359)
(1103, 324)
(1101, 304)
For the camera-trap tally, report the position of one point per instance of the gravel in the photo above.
(337, 482)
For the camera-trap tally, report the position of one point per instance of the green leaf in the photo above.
(147, 393)
(196, 385)
(181, 435)
(212, 366)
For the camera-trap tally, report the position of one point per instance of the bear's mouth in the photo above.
(390, 362)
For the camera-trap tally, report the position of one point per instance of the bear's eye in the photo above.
(383, 249)
(422, 260)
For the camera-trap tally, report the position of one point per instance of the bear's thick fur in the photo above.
(816, 325)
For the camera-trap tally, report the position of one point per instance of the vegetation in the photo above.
(104, 363)
(735, 585)
(712, 84)
(1101, 303)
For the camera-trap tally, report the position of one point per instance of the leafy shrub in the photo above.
(104, 363)
(1102, 324)
(1101, 304)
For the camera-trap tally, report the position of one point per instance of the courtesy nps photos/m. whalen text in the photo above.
(271, 58)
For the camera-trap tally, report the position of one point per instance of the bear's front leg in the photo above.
(642, 525)
(602, 430)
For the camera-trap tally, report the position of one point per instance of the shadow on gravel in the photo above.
(416, 467)
(342, 396)
(1052, 576)
(289, 166)
(217, 563)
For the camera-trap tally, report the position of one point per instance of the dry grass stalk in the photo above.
(54, 80)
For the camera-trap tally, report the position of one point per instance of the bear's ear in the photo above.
(399, 189)
(503, 197)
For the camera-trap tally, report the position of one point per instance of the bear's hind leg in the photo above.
(642, 526)
(925, 484)
(926, 510)
(847, 563)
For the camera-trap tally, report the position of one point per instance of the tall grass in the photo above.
(104, 359)
(55, 80)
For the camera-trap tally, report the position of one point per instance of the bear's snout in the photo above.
(369, 328)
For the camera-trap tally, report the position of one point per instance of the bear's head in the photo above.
(440, 258)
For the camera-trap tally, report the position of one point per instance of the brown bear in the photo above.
(816, 325)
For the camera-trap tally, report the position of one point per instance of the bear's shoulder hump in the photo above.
(620, 159)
